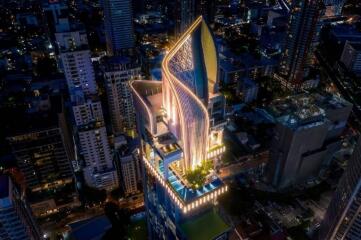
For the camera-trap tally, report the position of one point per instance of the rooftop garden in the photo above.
(197, 177)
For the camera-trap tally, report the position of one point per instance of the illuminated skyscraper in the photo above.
(299, 42)
(181, 122)
(343, 216)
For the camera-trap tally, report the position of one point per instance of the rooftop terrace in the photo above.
(304, 108)
(185, 197)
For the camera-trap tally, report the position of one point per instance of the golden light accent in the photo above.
(177, 200)
(185, 112)
(173, 81)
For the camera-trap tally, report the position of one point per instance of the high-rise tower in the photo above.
(306, 135)
(185, 14)
(181, 122)
(76, 60)
(343, 216)
(99, 170)
(118, 22)
(16, 219)
(41, 146)
(206, 8)
(118, 72)
(299, 42)
(92, 140)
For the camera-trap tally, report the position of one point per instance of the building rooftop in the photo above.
(294, 108)
(36, 119)
(188, 194)
(150, 92)
(93, 228)
(118, 63)
(231, 62)
(329, 101)
(185, 196)
(304, 109)
(345, 32)
(207, 226)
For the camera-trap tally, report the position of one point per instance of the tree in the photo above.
(120, 220)
(197, 177)
(92, 195)
(117, 193)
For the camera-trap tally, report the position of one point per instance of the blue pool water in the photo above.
(188, 194)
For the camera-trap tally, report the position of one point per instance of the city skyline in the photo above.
(180, 119)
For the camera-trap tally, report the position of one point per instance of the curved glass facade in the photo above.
(177, 127)
(189, 77)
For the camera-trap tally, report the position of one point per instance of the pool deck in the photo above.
(188, 194)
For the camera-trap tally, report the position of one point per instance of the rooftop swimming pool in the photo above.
(185, 193)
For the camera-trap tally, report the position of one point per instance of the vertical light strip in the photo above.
(193, 155)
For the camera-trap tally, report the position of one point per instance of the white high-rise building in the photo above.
(87, 112)
(99, 171)
(118, 72)
(127, 162)
(128, 173)
(92, 139)
(76, 60)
